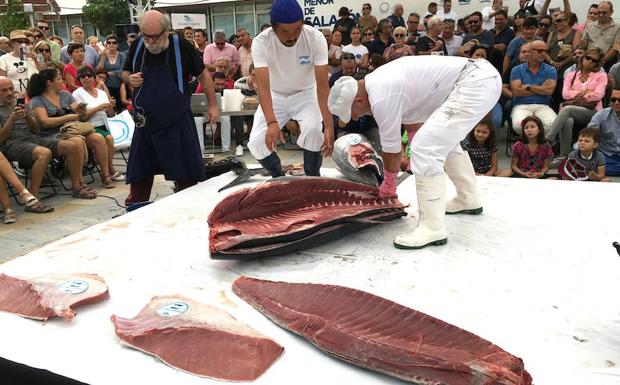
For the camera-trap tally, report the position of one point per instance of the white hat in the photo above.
(341, 97)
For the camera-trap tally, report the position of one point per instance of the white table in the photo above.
(536, 275)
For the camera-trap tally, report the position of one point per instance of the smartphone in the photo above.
(21, 101)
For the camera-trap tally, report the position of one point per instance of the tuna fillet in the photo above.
(288, 214)
(198, 339)
(46, 297)
(378, 334)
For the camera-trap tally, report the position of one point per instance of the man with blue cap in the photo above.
(290, 60)
(449, 96)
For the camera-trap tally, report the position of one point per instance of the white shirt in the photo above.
(82, 96)
(408, 91)
(450, 15)
(291, 69)
(359, 51)
(452, 45)
(19, 71)
(488, 23)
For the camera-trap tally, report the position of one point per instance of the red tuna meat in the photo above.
(198, 339)
(45, 297)
(378, 334)
(289, 209)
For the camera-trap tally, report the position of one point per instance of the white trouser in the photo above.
(302, 107)
(541, 111)
(225, 132)
(475, 93)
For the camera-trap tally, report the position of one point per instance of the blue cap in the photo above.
(286, 11)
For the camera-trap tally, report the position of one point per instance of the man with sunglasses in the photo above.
(159, 66)
(544, 27)
(476, 35)
(604, 34)
(77, 36)
(413, 22)
(43, 27)
(291, 64)
(221, 48)
(608, 122)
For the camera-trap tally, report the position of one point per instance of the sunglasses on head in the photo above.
(592, 59)
(614, 100)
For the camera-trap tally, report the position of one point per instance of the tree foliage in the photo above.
(13, 17)
(105, 14)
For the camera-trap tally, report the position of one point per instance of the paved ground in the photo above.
(36, 230)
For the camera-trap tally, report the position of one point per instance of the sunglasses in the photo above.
(38, 36)
(43, 28)
(111, 42)
(544, 25)
(614, 100)
(22, 41)
(368, 34)
(590, 58)
(558, 21)
(399, 35)
(44, 50)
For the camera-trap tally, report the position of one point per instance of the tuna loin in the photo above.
(45, 297)
(198, 339)
(381, 335)
(288, 214)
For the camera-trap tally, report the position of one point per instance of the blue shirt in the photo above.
(522, 72)
(514, 48)
(607, 121)
(397, 22)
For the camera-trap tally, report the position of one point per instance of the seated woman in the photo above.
(98, 108)
(583, 91)
(52, 107)
(25, 197)
(398, 48)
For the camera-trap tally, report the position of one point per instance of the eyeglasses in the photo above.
(614, 100)
(44, 50)
(399, 35)
(368, 34)
(43, 28)
(590, 58)
(156, 36)
(111, 42)
(558, 21)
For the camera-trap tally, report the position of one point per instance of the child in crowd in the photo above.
(532, 153)
(482, 148)
(585, 163)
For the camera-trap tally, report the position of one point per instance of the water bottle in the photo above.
(23, 50)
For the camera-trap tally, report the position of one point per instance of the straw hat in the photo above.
(18, 34)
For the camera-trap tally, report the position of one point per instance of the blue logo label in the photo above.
(304, 59)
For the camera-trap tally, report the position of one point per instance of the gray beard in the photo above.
(156, 49)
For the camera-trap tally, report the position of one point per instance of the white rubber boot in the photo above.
(462, 174)
(431, 230)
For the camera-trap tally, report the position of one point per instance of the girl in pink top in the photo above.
(586, 85)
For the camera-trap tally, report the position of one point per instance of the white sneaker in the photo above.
(239, 150)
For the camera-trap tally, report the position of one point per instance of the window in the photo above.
(225, 23)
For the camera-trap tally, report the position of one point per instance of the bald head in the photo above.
(4, 44)
(6, 91)
(154, 26)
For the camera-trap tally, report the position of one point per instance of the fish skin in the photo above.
(357, 160)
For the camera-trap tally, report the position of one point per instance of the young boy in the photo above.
(585, 163)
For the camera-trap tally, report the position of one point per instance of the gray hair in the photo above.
(433, 21)
(415, 14)
(219, 33)
(165, 22)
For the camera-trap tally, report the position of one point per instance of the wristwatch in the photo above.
(527, 88)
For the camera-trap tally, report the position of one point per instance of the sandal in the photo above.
(39, 208)
(9, 216)
(107, 182)
(27, 199)
(88, 188)
(118, 177)
(84, 193)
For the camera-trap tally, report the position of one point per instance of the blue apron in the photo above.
(168, 143)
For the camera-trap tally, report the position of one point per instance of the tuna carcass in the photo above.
(381, 335)
(287, 214)
(357, 160)
(46, 297)
(198, 339)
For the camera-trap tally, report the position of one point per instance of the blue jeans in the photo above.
(612, 165)
(496, 116)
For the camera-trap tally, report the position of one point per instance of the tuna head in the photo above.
(357, 160)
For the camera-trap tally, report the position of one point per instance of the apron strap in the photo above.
(177, 59)
(140, 42)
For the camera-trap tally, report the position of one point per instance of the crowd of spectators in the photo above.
(560, 75)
